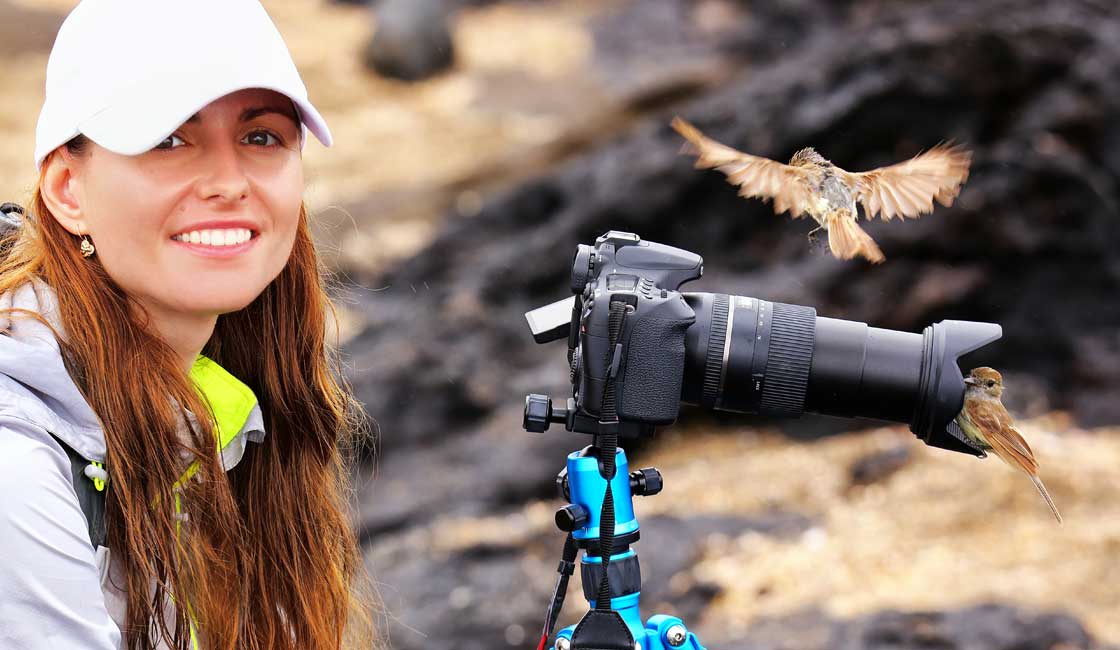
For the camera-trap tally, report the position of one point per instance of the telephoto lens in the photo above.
(754, 356)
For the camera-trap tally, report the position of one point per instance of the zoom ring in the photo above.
(790, 356)
(717, 337)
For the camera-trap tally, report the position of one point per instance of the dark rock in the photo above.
(412, 39)
(983, 627)
(878, 466)
(481, 596)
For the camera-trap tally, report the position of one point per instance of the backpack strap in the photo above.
(90, 497)
(11, 215)
(11, 218)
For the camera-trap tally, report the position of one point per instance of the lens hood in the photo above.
(942, 384)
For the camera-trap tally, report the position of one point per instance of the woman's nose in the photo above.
(224, 177)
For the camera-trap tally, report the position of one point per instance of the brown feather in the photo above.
(1006, 442)
(847, 240)
(757, 177)
(992, 418)
(908, 189)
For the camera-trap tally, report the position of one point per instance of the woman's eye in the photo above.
(262, 138)
(168, 139)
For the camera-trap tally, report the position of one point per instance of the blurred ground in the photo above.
(942, 532)
(915, 528)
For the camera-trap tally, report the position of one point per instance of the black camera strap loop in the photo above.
(602, 630)
(608, 447)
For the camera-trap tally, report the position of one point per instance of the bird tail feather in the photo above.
(1046, 495)
(847, 239)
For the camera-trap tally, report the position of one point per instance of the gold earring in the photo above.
(87, 245)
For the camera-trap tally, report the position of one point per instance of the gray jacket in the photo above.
(56, 590)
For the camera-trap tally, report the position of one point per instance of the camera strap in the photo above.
(608, 448)
(602, 628)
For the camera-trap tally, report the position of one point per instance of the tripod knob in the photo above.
(571, 517)
(538, 413)
(646, 482)
(676, 635)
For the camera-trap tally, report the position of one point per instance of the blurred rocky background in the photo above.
(477, 142)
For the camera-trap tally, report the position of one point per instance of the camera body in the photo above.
(647, 361)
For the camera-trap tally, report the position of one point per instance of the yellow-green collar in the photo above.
(230, 400)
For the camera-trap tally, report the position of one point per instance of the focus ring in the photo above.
(713, 364)
(792, 332)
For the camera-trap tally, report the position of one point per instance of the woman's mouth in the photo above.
(225, 242)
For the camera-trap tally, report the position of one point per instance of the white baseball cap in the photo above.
(127, 73)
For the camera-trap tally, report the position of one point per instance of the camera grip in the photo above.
(649, 386)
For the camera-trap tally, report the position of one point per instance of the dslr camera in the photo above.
(638, 347)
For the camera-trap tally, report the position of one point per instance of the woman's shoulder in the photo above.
(46, 549)
(29, 455)
(38, 501)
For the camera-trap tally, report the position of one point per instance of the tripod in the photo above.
(584, 484)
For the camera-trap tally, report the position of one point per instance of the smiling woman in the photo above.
(162, 307)
(233, 167)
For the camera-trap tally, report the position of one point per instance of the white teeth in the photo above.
(227, 237)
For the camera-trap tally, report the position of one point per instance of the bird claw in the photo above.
(955, 430)
(816, 244)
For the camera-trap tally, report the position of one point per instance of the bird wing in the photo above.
(995, 422)
(759, 177)
(908, 189)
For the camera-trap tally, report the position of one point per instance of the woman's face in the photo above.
(233, 167)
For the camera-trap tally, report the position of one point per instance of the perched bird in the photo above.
(811, 185)
(986, 423)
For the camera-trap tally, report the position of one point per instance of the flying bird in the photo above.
(988, 425)
(812, 185)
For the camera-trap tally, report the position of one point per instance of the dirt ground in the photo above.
(944, 531)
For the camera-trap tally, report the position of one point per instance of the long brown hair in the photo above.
(267, 558)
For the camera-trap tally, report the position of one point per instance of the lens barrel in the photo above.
(748, 355)
(753, 356)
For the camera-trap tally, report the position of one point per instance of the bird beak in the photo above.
(969, 381)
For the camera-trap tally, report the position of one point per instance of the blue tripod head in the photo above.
(582, 484)
(599, 518)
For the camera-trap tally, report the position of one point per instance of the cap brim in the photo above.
(138, 121)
